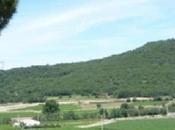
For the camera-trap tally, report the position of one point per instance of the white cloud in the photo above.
(53, 28)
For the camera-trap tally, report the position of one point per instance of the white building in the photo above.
(28, 122)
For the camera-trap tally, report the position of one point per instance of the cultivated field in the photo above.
(81, 106)
(156, 124)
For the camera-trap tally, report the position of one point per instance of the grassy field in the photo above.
(149, 103)
(17, 114)
(156, 124)
(83, 108)
(63, 107)
(7, 127)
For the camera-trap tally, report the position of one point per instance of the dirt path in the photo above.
(10, 107)
(105, 122)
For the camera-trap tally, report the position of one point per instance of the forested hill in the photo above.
(146, 71)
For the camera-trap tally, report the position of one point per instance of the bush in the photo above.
(140, 107)
(50, 107)
(150, 111)
(70, 116)
(126, 106)
(89, 115)
(171, 108)
(157, 99)
(124, 112)
(133, 112)
(163, 111)
(48, 117)
(134, 100)
(115, 113)
(128, 100)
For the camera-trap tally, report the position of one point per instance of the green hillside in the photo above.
(146, 71)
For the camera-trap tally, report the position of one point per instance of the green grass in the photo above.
(7, 127)
(69, 107)
(156, 124)
(16, 114)
(152, 124)
(148, 103)
(63, 107)
(71, 125)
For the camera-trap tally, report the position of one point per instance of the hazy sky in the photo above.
(57, 31)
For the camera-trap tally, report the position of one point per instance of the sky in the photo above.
(64, 31)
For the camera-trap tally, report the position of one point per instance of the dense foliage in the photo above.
(50, 111)
(7, 9)
(50, 107)
(146, 71)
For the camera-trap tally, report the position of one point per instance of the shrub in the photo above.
(124, 112)
(50, 107)
(115, 113)
(126, 106)
(70, 116)
(133, 112)
(157, 98)
(140, 107)
(150, 111)
(128, 100)
(171, 107)
(163, 111)
(134, 100)
(48, 117)
(89, 115)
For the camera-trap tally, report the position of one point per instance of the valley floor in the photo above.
(81, 106)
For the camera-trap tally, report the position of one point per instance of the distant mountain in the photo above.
(146, 71)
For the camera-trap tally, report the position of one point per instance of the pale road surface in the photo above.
(9, 107)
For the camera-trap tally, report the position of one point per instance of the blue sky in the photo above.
(57, 31)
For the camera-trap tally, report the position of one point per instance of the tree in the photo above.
(124, 106)
(99, 105)
(7, 9)
(51, 107)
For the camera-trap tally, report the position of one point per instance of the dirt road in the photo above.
(15, 106)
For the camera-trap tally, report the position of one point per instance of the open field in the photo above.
(149, 103)
(17, 114)
(82, 107)
(156, 124)
(7, 127)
